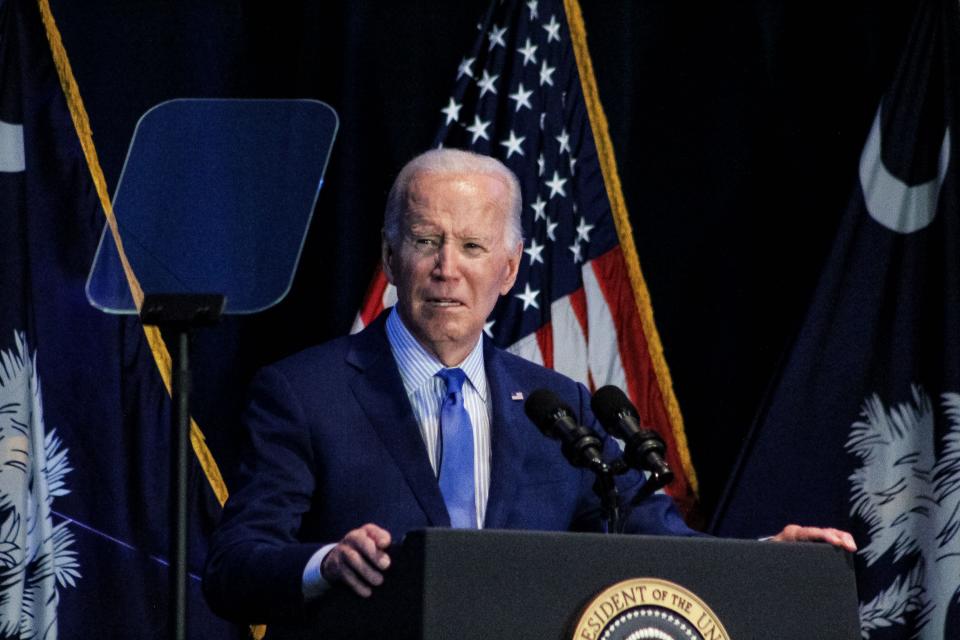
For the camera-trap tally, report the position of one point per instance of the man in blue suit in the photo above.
(415, 422)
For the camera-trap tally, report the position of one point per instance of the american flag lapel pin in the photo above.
(516, 395)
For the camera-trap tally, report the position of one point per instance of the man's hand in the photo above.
(836, 537)
(358, 559)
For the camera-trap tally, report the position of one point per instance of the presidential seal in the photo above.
(648, 608)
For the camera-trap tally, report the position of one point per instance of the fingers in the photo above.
(358, 559)
(380, 536)
(345, 573)
(839, 538)
(836, 537)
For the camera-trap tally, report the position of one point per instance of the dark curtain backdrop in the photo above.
(737, 128)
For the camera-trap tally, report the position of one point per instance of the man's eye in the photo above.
(426, 242)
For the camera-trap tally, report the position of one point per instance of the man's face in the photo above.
(451, 263)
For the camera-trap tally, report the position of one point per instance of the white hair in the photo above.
(450, 162)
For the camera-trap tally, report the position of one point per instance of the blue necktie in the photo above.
(456, 453)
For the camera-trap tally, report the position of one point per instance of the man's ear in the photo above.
(513, 267)
(386, 256)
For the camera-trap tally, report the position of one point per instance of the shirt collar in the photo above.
(418, 366)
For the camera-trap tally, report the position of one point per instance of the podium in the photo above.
(446, 583)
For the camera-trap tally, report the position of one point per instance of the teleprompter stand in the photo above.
(177, 315)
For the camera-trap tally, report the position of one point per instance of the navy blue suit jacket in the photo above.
(333, 444)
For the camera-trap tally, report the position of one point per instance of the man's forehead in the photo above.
(425, 185)
(475, 196)
(418, 224)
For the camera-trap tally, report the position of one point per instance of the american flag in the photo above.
(576, 307)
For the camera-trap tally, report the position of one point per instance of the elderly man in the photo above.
(417, 421)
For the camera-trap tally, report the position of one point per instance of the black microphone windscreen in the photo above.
(609, 402)
(543, 407)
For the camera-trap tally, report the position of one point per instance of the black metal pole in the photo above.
(606, 489)
(180, 395)
(178, 313)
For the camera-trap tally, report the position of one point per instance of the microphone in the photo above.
(580, 445)
(644, 449)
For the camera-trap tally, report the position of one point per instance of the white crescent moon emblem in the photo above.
(890, 201)
(11, 148)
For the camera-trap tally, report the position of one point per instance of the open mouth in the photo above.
(444, 302)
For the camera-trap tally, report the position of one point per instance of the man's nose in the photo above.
(448, 261)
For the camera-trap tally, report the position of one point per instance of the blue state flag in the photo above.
(84, 414)
(862, 427)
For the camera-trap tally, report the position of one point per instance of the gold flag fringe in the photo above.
(611, 179)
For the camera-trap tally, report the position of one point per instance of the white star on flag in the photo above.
(551, 226)
(532, 5)
(452, 111)
(513, 144)
(529, 52)
(529, 297)
(478, 129)
(495, 36)
(583, 230)
(575, 249)
(564, 140)
(539, 209)
(540, 164)
(522, 98)
(556, 185)
(553, 29)
(465, 68)
(534, 252)
(546, 74)
(486, 83)
(488, 328)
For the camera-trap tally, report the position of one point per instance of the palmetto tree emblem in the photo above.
(906, 493)
(35, 555)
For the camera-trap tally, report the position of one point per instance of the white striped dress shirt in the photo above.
(418, 369)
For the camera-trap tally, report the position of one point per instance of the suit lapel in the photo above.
(505, 438)
(380, 392)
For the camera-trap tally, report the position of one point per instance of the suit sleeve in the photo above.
(255, 565)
